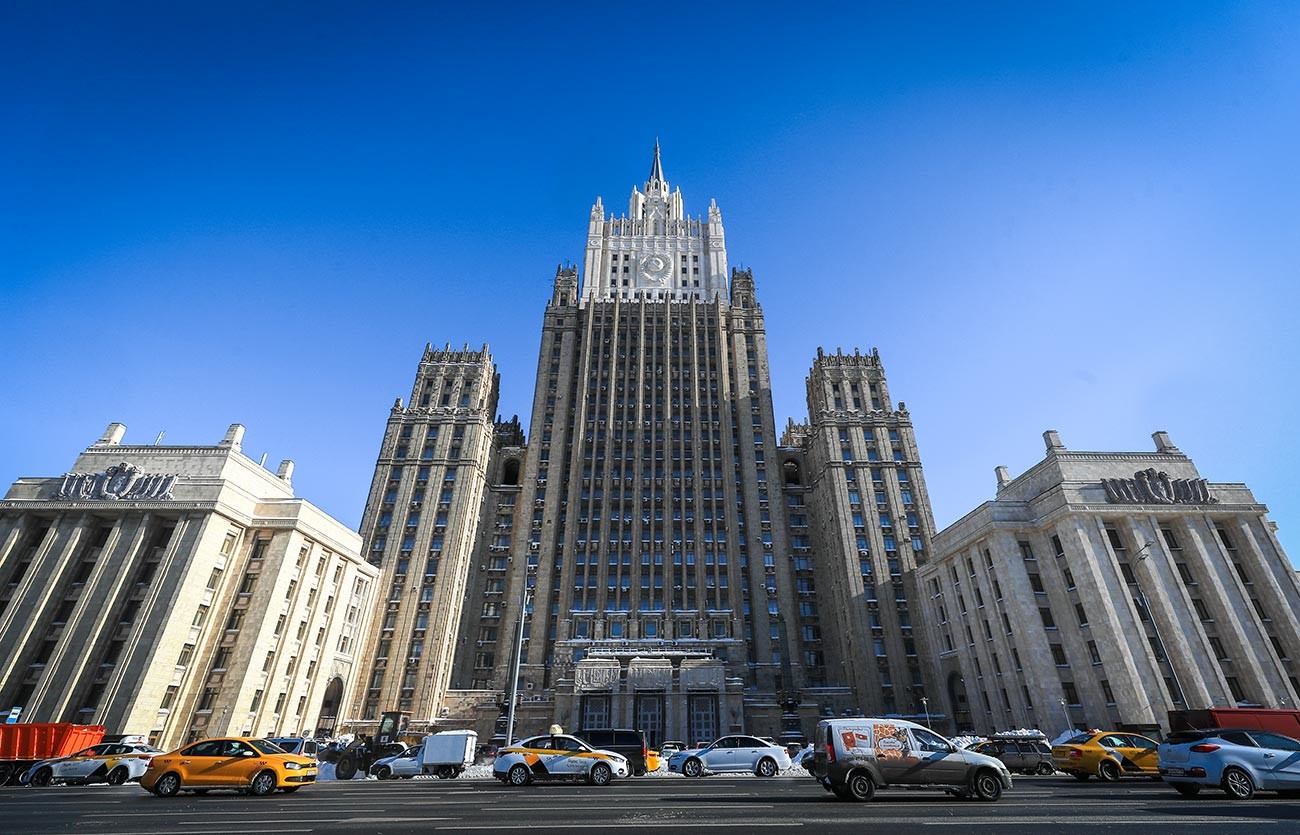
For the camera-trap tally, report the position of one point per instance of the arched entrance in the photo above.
(329, 707)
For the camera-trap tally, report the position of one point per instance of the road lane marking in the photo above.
(615, 825)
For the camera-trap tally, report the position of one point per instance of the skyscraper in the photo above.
(653, 525)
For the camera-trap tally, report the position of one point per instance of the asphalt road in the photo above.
(736, 805)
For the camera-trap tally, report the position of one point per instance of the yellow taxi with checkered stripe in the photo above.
(1109, 755)
(558, 757)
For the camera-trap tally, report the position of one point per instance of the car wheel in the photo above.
(168, 785)
(290, 789)
(766, 767)
(1187, 789)
(446, 772)
(1045, 769)
(987, 786)
(384, 772)
(600, 775)
(263, 784)
(692, 768)
(42, 776)
(117, 776)
(518, 775)
(860, 786)
(1107, 771)
(346, 768)
(1237, 784)
(6, 772)
(638, 771)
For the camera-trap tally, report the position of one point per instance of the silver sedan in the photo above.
(732, 754)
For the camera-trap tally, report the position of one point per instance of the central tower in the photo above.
(662, 591)
(655, 251)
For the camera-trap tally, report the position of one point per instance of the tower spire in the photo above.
(656, 167)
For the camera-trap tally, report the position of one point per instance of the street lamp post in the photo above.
(519, 658)
(1142, 555)
(1065, 708)
(925, 705)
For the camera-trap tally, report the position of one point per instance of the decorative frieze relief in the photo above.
(1151, 487)
(123, 482)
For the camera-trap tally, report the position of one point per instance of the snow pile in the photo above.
(965, 741)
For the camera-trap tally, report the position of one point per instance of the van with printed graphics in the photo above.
(854, 757)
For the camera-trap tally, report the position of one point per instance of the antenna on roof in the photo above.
(158, 440)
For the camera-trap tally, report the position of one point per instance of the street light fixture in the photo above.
(925, 705)
(1065, 708)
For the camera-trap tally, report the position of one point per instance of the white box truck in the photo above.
(447, 753)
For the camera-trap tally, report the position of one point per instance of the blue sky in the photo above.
(1045, 215)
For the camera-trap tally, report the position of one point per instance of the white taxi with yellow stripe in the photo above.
(557, 757)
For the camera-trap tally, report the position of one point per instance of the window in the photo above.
(1105, 689)
(928, 741)
(1275, 741)
(1046, 615)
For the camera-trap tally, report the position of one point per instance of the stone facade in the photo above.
(1105, 589)
(871, 526)
(422, 527)
(646, 535)
(177, 592)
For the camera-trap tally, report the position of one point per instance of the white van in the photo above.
(447, 753)
(854, 757)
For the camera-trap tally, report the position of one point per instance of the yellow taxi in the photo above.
(246, 764)
(1109, 755)
(653, 760)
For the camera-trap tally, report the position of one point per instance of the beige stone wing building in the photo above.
(1105, 589)
(178, 592)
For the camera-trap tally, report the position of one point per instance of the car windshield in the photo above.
(286, 745)
(266, 746)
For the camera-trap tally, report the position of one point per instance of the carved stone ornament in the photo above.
(656, 268)
(650, 673)
(702, 674)
(1150, 487)
(595, 674)
(124, 482)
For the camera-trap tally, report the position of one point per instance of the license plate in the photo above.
(1175, 772)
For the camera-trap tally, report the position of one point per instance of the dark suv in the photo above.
(630, 744)
(1022, 755)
